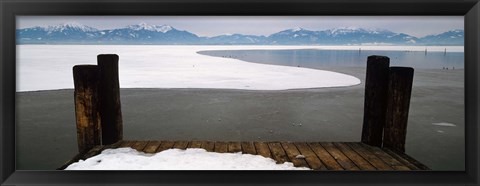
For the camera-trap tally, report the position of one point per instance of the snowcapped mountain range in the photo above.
(74, 33)
(449, 38)
(154, 28)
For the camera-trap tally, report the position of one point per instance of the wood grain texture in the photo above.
(263, 149)
(165, 145)
(126, 143)
(378, 163)
(248, 148)
(139, 145)
(312, 159)
(292, 153)
(398, 104)
(278, 153)
(151, 146)
(355, 157)
(180, 145)
(87, 115)
(394, 163)
(209, 146)
(329, 161)
(221, 147)
(234, 147)
(407, 159)
(316, 155)
(194, 144)
(375, 104)
(338, 155)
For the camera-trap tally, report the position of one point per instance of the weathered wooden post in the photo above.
(398, 103)
(375, 104)
(85, 78)
(110, 109)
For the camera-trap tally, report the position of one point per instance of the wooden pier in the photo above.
(382, 146)
(317, 156)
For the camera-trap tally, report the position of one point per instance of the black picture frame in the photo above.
(470, 9)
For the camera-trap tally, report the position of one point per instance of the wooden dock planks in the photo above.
(315, 155)
(278, 153)
(294, 155)
(151, 146)
(312, 159)
(263, 149)
(248, 148)
(338, 155)
(181, 145)
(377, 162)
(195, 144)
(356, 158)
(221, 147)
(164, 145)
(234, 147)
(208, 145)
(139, 145)
(329, 161)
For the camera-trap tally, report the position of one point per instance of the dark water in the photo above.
(312, 58)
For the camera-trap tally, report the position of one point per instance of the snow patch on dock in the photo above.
(177, 159)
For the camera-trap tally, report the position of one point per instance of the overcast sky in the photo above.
(259, 25)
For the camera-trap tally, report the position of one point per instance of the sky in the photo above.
(417, 26)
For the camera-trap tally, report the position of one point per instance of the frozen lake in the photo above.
(321, 58)
(325, 114)
(48, 67)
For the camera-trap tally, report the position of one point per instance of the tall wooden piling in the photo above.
(398, 103)
(376, 83)
(85, 78)
(110, 109)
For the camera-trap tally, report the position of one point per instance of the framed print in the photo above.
(310, 92)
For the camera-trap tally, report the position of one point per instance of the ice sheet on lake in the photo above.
(177, 159)
(444, 124)
(47, 67)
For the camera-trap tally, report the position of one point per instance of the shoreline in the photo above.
(418, 48)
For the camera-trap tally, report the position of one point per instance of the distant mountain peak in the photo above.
(296, 29)
(458, 32)
(290, 31)
(354, 29)
(149, 27)
(70, 25)
(350, 28)
(345, 29)
(378, 30)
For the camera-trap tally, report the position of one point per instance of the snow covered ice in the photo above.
(49, 67)
(444, 124)
(177, 159)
